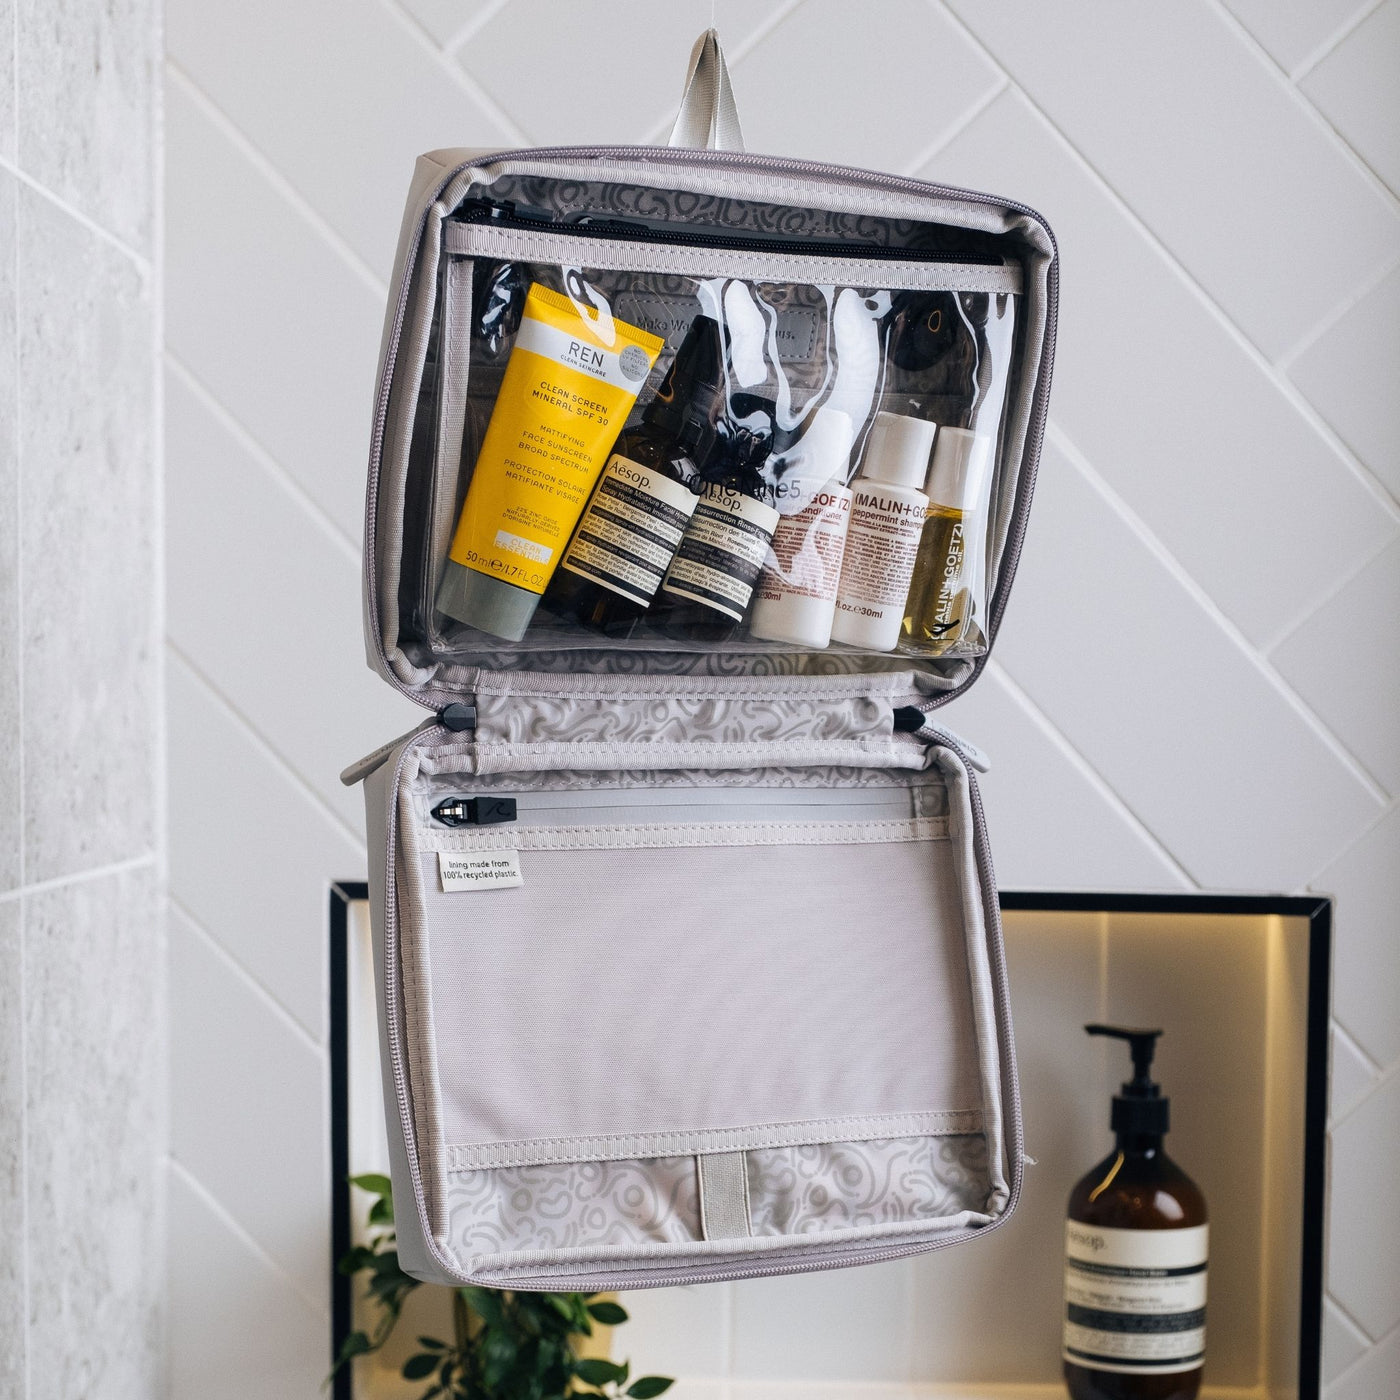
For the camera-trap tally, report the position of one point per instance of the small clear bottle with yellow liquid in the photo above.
(947, 597)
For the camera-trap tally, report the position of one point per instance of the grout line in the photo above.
(142, 264)
(959, 125)
(1372, 1342)
(264, 747)
(1309, 108)
(459, 76)
(1095, 779)
(479, 21)
(1372, 1065)
(161, 767)
(1348, 27)
(1328, 322)
(660, 129)
(227, 1219)
(176, 76)
(26, 1271)
(1347, 1321)
(25, 1267)
(349, 547)
(761, 31)
(1336, 585)
(1367, 1094)
(260, 991)
(1290, 392)
(1174, 567)
(82, 877)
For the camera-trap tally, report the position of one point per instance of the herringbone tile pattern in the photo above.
(1197, 684)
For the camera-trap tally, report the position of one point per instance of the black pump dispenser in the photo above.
(689, 401)
(1141, 1110)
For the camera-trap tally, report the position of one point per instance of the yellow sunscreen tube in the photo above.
(571, 381)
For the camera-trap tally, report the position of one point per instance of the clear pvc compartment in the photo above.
(654, 439)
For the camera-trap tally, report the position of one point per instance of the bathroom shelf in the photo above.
(1241, 985)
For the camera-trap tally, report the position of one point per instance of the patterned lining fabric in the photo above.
(792, 1191)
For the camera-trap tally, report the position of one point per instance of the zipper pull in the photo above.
(358, 772)
(910, 719)
(457, 717)
(475, 811)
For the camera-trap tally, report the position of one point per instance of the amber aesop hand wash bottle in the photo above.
(1135, 1256)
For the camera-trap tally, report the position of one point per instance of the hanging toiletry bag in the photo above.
(688, 951)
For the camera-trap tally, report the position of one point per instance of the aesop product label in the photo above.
(631, 530)
(723, 550)
(1135, 1300)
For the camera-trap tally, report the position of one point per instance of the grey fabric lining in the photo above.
(618, 255)
(724, 1195)
(643, 1206)
(950, 900)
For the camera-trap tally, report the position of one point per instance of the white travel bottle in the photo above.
(888, 509)
(796, 596)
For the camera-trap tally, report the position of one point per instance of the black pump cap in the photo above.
(1141, 1109)
(692, 390)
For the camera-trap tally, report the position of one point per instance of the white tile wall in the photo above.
(1349, 374)
(1354, 87)
(1219, 507)
(1260, 202)
(1293, 31)
(82, 959)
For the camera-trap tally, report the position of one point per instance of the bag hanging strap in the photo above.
(708, 118)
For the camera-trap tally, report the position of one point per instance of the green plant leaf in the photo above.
(374, 1183)
(596, 1371)
(416, 1367)
(489, 1304)
(356, 1344)
(431, 1344)
(649, 1386)
(609, 1314)
(355, 1259)
(382, 1212)
(498, 1356)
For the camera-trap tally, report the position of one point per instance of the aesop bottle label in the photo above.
(723, 550)
(1135, 1300)
(631, 529)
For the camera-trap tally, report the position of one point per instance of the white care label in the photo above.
(1135, 1300)
(479, 870)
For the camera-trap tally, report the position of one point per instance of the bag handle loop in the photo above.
(708, 117)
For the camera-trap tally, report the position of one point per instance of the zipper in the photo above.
(737, 160)
(505, 214)
(456, 717)
(618, 806)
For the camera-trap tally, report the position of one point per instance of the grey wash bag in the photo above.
(727, 996)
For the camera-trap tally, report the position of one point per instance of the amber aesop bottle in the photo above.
(640, 509)
(1135, 1256)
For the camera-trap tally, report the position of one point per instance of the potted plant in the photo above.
(504, 1346)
